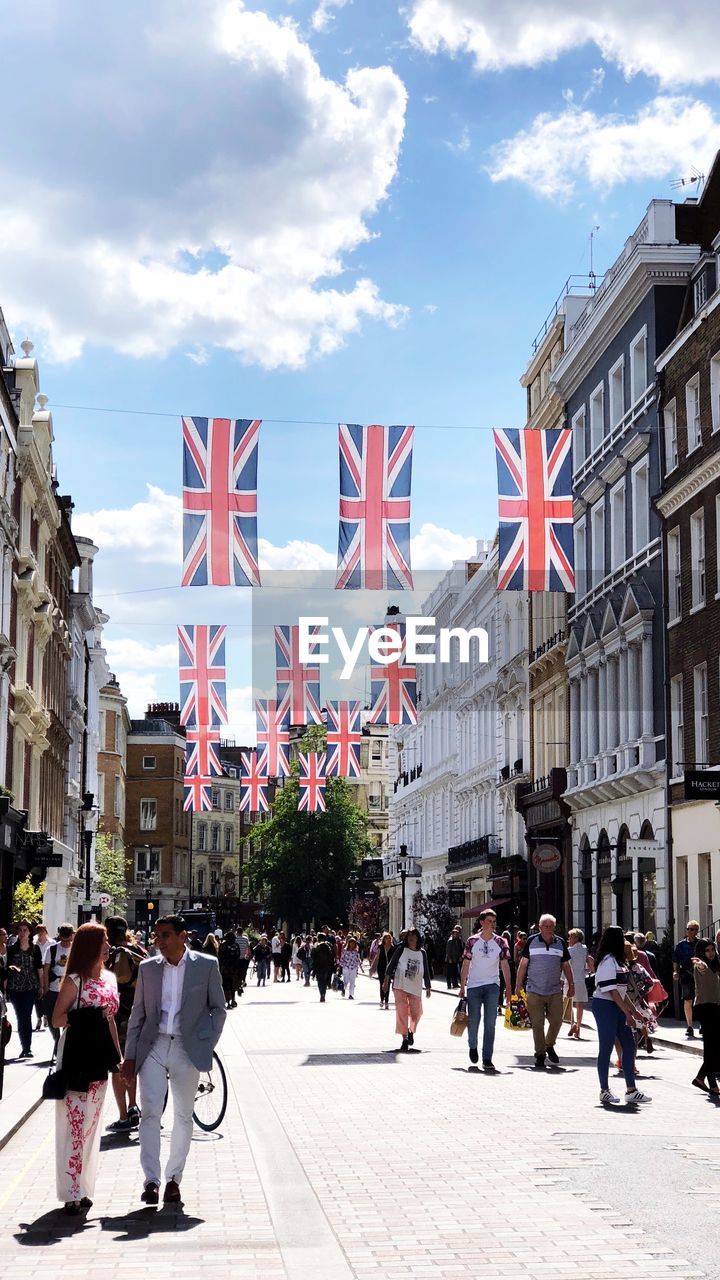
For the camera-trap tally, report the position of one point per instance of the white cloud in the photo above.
(323, 17)
(295, 555)
(241, 716)
(151, 529)
(186, 176)
(578, 145)
(635, 36)
(123, 653)
(436, 548)
(462, 144)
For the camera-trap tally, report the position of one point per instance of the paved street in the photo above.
(339, 1158)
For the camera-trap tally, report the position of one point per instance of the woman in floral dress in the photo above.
(77, 1116)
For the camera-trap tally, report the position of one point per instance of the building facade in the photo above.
(157, 830)
(115, 726)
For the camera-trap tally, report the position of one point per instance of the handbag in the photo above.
(459, 1019)
(517, 1017)
(656, 993)
(54, 1086)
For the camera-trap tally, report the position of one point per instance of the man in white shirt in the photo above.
(276, 945)
(485, 954)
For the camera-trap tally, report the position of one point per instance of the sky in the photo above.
(310, 212)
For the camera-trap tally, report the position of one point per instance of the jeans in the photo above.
(483, 1000)
(453, 974)
(323, 979)
(307, 968)
(23, 1003)
(540, 1007)
(611, 1026)
(262, 969)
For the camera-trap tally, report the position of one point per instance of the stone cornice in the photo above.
(703, 475)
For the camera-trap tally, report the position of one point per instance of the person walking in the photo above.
(88, 1050)
(544, 959)
(124, 962)
(245, 952)
(454, 948)
(409, 971)
(229, 963)
(323, 964)
(706, 973)
(211, 946)
(485, 956)
(56, 959)
(276, 949)
(285, 958)
(305, 958)
(296, 962)
(350, 962)
(177, 1019)
(614, 1016)
(43, 940)
(24, 968)
(387, 946)
(262, 952)
(581, 963)
(683, 972)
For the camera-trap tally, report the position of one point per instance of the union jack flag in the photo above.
(343, 740)
(312, 782)
(375, 478)
(202, 676)
(220, 502)
(253, 782)
(197, 794)
(201, 754)
(393, 690)
(298, 682)
(535, 510)
(273, 733)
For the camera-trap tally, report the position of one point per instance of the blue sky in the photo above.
(314, 210)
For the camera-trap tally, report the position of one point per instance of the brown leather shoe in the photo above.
(172, 1193)
(151, 1194)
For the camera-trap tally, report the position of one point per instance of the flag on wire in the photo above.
(375, 480)
(273, 733)
(202, 676)
(312, 782)
(298, 682)
(201, 753)
(253, 782)
(343, 740)
(220, 458)
(393, 690)
(535, 510)
(197, 794)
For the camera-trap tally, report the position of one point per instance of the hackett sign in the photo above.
(702, 784)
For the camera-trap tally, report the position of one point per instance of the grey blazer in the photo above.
(202, 1010)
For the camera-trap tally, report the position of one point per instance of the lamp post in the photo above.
(403, 878)
(87, 807)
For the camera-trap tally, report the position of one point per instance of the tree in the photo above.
(433, 915)
(300, 862)
(369, 915)
(28, 900)
(110, 872)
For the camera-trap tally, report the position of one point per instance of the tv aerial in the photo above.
(695, 179)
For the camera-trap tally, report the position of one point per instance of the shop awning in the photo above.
(482, 906)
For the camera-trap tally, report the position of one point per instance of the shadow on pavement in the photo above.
(351, 1059)
(51, 1228)
(149, 1222)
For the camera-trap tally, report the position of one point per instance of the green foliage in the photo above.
(433, 915)
(110, 873)
(300, 862)
(28, 901)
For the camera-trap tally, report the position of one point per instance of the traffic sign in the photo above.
(104, 899)
(86, 904)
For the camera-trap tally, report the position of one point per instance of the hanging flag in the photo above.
(393, 690)
(202, 676)
(220, 458)
(273, 733)
(201, 753)
(253, 782)
(296, 681)
(197, 794)
(343, 740)
(535, 510)
(375, 479)
(312, 782)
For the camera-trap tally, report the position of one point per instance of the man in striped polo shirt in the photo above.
(544, 959)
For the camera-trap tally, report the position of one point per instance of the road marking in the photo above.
(25, 1169)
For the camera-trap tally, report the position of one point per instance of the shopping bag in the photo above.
(517, 1017)
(459, 1019)
(657, 993)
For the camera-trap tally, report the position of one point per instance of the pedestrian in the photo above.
(409, 972)
(683, 972)
(276, 949)
(651, 947)
(262, 952)
(43, 941)
(296, 962)
(544, 959)
(323, 964)
(520, 941)
(706, 973)
(124, 960)
(387, 946)
(176, 1021)
(305, 958)
(87, 1004)
(350, 962)
(211, 946)
(245, 951)
(285, 958)
(373, 954)
(615, 1016)
(485, 955)
(229, 963)
(581, 963)
(24, 983)
(454, 948)
(56, 959)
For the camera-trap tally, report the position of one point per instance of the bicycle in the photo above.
(211, 1097)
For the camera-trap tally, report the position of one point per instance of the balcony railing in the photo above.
(547, 645)
(473, 851)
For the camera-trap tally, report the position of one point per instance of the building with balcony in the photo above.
(157, 830)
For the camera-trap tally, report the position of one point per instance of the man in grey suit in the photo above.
(176, 1020)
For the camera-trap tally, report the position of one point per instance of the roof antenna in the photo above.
(695, 179)
(593, 282)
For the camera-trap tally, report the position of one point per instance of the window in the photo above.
(375, 796)
(638, 366)
(702, 721)
(534, 395)
(676, 725)
(147, 860)
(216, 800)
(597, 417)
(545, 378)
(641, 505)
(697, 558)
(215, 838)
(118, 733)
(117, 797)
(376, 751)
(103, 731)
(228, 839)
(674, 579)
(101, 793)
(148, 815)
(670, 436)
(229, 801)
(201, 881)
(578, 437)
(700, 290)
(597, 524)
(202, 837)
(149, 762)
(692, 409)
(581, 557)
(617, 392)
(617, 525)
(715, 391)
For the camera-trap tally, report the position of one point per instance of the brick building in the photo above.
(115, 726)
(157, 831)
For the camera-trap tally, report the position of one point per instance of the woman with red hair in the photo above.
(85, 1057)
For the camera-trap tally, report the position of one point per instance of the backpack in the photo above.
(126, 986)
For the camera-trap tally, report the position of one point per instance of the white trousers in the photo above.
(167, 1056)
(349, 976)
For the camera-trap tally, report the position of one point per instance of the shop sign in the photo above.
(702, 784)
(546, 858)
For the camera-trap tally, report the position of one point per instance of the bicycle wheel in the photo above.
(211, 1097)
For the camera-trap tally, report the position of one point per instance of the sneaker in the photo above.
(550, 1051)
(351, 997)
(539, 1062)
(474, 1056)
(634, 1095)
(489, 1067)
(410, 1037)
(134, 1116)
(608, 1099)
(690, 1034)
(404, 1045)
(120, 1126)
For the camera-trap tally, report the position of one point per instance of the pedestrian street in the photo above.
(339, 1157)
